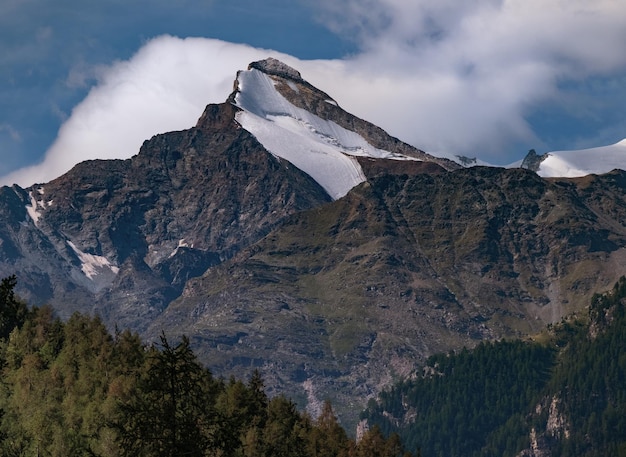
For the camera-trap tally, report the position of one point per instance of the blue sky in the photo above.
(487, 78)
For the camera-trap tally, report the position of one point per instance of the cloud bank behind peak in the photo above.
(439, 74)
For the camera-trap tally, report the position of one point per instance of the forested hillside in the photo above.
(72, 389)
(563, 394)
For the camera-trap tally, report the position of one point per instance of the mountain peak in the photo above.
(300, 123)
(275, 67)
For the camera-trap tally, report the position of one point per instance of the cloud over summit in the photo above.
(163, 87)
(460, 77)
(475, 70)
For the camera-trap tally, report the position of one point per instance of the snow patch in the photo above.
(293, 87)
(95, 267)
(321, 148)
(565, 164)
(334, 171)
(464, 161)
(181, 244)
(32, 209)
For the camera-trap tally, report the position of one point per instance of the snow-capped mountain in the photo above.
(576, 163)
(310, 135)
(285, 234)
(321, 148)
(560, 164)
(191, 199)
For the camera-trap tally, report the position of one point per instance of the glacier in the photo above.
(321, 148)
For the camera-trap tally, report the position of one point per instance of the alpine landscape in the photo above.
(285, 238)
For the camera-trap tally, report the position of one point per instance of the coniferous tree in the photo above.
(71, 388)
(374, 444)
(328, 438)
(171, 412)
(285, 431)
(13, 311)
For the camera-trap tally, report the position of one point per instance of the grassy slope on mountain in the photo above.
(342, 299)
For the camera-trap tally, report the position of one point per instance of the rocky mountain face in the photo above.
(332, 280)
(121, 238)
(401, 268)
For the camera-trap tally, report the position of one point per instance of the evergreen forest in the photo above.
(563, 393)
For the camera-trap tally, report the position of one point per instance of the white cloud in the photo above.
(164, 87)
(443, 75)
(465, 74)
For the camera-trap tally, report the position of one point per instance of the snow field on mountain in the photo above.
(334, 171)
(32, 210)
(571, 164)
(321, 148)
(96, 268)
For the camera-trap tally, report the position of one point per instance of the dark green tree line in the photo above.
(485, 401)
(13, 312)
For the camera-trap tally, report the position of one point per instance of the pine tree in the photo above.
(172, 411)
(13, 312)
(328, 438)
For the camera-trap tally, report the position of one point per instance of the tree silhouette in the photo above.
(13, 312)
(171, 413)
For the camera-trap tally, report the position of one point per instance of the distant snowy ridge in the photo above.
(572, 164)
(464, 161)
(563, 164)
(321, 148)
